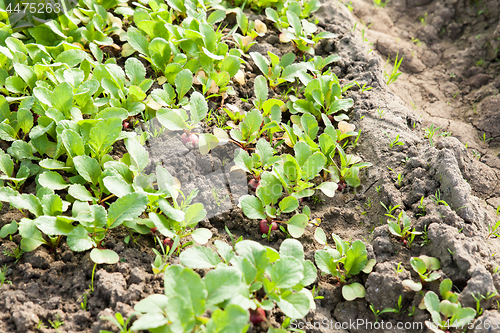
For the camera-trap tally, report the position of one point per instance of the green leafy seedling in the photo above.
(401, 228)
(104, 256)
(425, 267)
(454, 314)
(393, 76)
(120, 322)
(344, 262)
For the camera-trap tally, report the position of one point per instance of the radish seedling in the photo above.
(251, 269)
(266, 227)
(250, 30)
(348, 170)
(424, 266)
(454, 314)
(347, 260)
(299, 32)
(264, 205)
(401, 228)
(257, 316)
(263, 159)
(278, 70)
(323, 95)
(178, 120)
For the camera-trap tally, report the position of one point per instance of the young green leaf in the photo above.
(252, 207)
(185, 283)
(294, 305)
(287, 272)
(199, 257)
(289, 204)
(183, 83)
(52, 180)
(31, 236)
(221, 284)
(353, 291)
(356, 258)
(104, 256)
(126, 208)
(79, 240)
(88, 168)
(138, 154)
(201, 235)
(261, 91)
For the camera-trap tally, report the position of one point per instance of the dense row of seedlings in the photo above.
(67, 102)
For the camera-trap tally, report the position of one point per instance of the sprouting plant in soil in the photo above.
(243, 269)
(167, 247)
(101, 257)
(430, 132)
(425, 267)
(394, 142)
(3, 276)
(401, 228)
(120, 322)
(437, 198)
(421, 206)
(454, 314)
(494, 230)
(478, 297)
(389, 209)
(56, 323)
(344, 262)
(394, 74)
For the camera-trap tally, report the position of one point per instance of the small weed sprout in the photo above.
(393, 76)
(425, 238)
(478, 297)
(437, 199)
(57, 322)
(380, 3)
(423, 19)
(378, 188)
(477, 155)
(394, 142)
(483, 138)
(422, 207)
(390, 209)
(380, 113)
(363, 87)
(368, 203)
(399, 268)
(17, 253)
(416, 41)
(3, 276)
(316, 199)
(120, 322)
(315, 293)
(377, 313)
(494, 230)
(216, 194)
(430, 132)
(411, 312)
(398, 307)
(40, 325)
